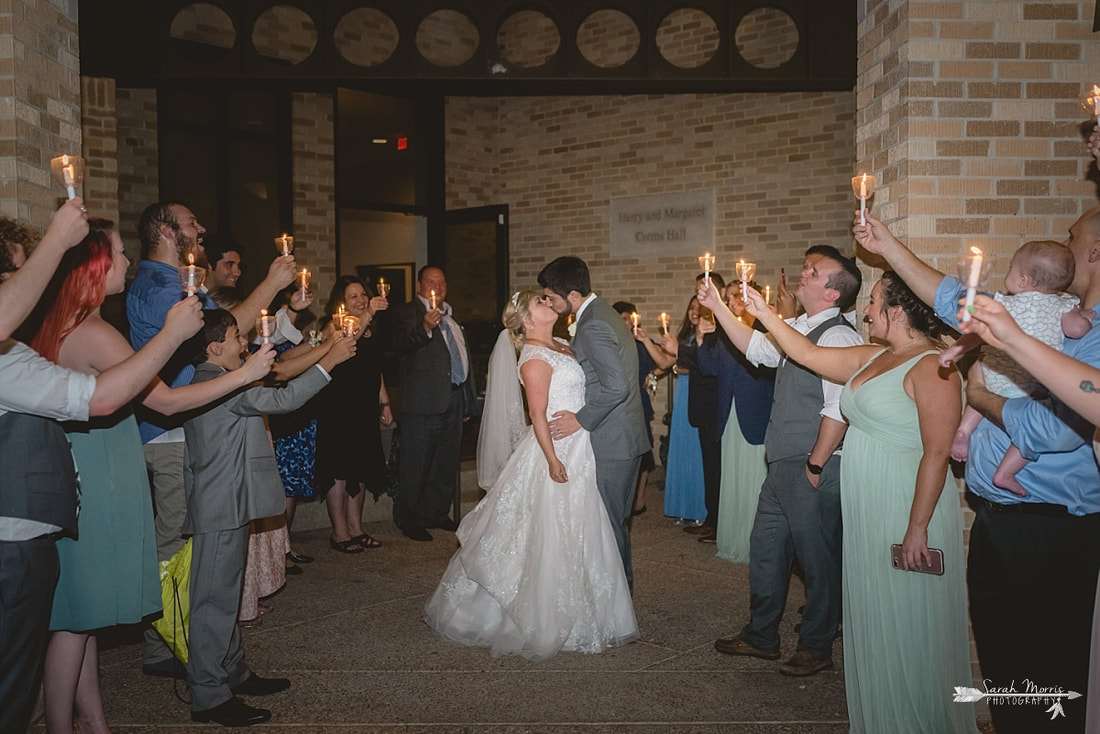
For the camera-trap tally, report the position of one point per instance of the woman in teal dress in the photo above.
(905, 635)
(684, 473)
(108, 574)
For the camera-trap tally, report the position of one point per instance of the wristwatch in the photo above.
(813, 468)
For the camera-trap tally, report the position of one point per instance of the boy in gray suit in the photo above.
(231, 478)
(612, 412)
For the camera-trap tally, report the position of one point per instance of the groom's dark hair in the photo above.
(566, 274)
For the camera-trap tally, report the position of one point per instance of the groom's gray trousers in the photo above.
(616, 480)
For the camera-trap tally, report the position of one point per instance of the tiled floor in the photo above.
(348, 633)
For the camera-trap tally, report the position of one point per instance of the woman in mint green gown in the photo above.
(905, 635)
(743, 472)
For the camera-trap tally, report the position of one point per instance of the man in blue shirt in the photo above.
(170, 232)
(1033, 560)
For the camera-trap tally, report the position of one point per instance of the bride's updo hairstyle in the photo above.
(921, 317)
(519, 305)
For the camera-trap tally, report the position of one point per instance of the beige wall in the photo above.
(780, 164)
(39, 104)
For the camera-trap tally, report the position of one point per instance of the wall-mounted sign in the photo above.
(663, 223)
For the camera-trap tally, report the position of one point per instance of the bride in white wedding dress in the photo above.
(538, 570)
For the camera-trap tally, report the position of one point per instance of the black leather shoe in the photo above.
(294, 571)
(256, 685)
(233, 712)
(166, 669)
(447, 525)
(417, 534)
(299, 557)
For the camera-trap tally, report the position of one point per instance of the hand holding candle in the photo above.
(383, 287)
(706, 262)
(69, 172)
(191, 276)
(284, 244)
(663, 319)
(432, 299)
(350, 325)
(634, 319)
(863, 187)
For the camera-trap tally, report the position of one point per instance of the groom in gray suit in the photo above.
(612, 412)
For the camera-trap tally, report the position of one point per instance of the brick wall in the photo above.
(312, 144)
(100, 148)
(967, 112)
(39, 105)
(779, 162)
(138, 182)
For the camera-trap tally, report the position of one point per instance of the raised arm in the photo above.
(122, 383)
(876, 238)
(836, 364)
(536, 376)
(22, 289)
(660, 357)
(279, 275)
(1075, 383)
(938, 395)
(740, 334)
(96, 346)
(289, 368)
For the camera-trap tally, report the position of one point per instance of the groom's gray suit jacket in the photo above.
(612, 411)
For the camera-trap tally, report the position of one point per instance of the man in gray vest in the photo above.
(799, 508)
(38, 497)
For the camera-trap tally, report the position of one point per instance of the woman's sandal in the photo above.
(366, 541)
(346, 546)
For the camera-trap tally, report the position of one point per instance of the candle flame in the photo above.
(975, 250)
(263, 312)
(190, 258)
(65, 157)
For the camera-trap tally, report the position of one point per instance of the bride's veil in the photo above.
(502, 419)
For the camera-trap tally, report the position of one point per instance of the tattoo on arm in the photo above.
(1087, 386)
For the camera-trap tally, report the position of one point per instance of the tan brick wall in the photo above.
(99, 130)
(39, 105)
(312, 144)
(779, 162)
(138, 172)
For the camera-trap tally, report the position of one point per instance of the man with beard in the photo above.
(169, 232)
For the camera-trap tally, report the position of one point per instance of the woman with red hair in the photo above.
(109, 574)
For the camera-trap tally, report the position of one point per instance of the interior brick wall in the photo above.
(312, 145)
(99, 120)
(39, 105)
(138, 172)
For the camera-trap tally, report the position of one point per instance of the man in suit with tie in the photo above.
(438, 394)
(612, 412)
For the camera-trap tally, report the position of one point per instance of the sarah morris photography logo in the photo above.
(1029, 694)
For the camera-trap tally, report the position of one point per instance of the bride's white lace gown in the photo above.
(538, 570)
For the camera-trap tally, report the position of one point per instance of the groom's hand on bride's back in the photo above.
(564, 423)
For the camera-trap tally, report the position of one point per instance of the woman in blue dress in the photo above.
(684, 498)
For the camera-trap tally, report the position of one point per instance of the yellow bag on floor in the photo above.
(175, 591)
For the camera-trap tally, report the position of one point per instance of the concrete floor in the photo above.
(348, 633)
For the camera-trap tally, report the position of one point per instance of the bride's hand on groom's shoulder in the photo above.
(557, 471)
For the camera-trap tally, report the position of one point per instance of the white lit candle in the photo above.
(433, 301)
(706, 262)
(972, 280)
(664, 322)
(303, 279)
(634, 319)
(191, 276)
(284, 244)
(265, 327)
(767, 294)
